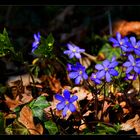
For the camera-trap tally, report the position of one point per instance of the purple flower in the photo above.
(66, 102)
(73, 51)
(131, 76)
(123, 43)
(78, 73)
(132, 64)
(36, 42)
(96, 78)
(135, 45)
(107, 69)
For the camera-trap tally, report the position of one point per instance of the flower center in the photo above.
(73, 50)
(136, 46)
(94, 76)
(106, 69)
(80, 72)
(133, 64)
(130, 77)
(67, 102)
(121, 43)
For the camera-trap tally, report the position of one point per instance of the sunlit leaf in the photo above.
(51, 127)
(38, 105)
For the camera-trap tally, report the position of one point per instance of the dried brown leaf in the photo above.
(126, 27)
(130, 124)
(26, 118)
(13, 103)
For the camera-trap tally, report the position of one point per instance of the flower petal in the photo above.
(78, 79)
(99, 67)
(67, 52)
(85, 76)
(129, 69)
(113, 64)
(73, 75)
(137, 70)
(59, 97)
(60, 105)
(71, 55)
(137, 51)
(133, 40)
(72, 108)
(131, 58)
(108, 77)
(73, 98)
(77, 55)
(100, 74)
(97, 81)
(127, 64)
(113, 72)
(65, 111)
(118, 36)
(106, 63)
(66, 94)
(81, 50)
(114, 41)
(70, 46)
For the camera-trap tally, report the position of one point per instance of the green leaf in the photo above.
(2, 123)
(110, 51)
(45, 49)
(5, 44)
(37, 106)
(51, 127)
(17, 128)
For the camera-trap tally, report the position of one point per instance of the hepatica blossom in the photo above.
(96, 78)
(78, 72)
(66, 102)
(132, 64)
(74, 51)
(135, 45)
(35, 44)
(123, 43)
(131, 76)
(107, 69)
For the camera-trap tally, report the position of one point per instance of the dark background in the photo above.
(66, 22)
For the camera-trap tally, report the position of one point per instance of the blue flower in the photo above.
(123, 43)
(96, 78)
(66, 102)
(78, 73)
(135, 45)
(74, 51)
(107, 69)
(132, 64)
(36, 42)
(131, 76)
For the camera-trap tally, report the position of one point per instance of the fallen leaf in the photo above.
(130, 124)
(126, 27)
(13, 103)
(80, 92)
(123, 104)
(26, 118)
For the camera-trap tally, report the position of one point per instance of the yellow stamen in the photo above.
(73, 50)
(80, 72)
(67, 102)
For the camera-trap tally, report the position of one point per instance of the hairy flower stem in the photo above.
(58, 126)
(139, 85)
(103, 100)
(94, 94)
(85, 122)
